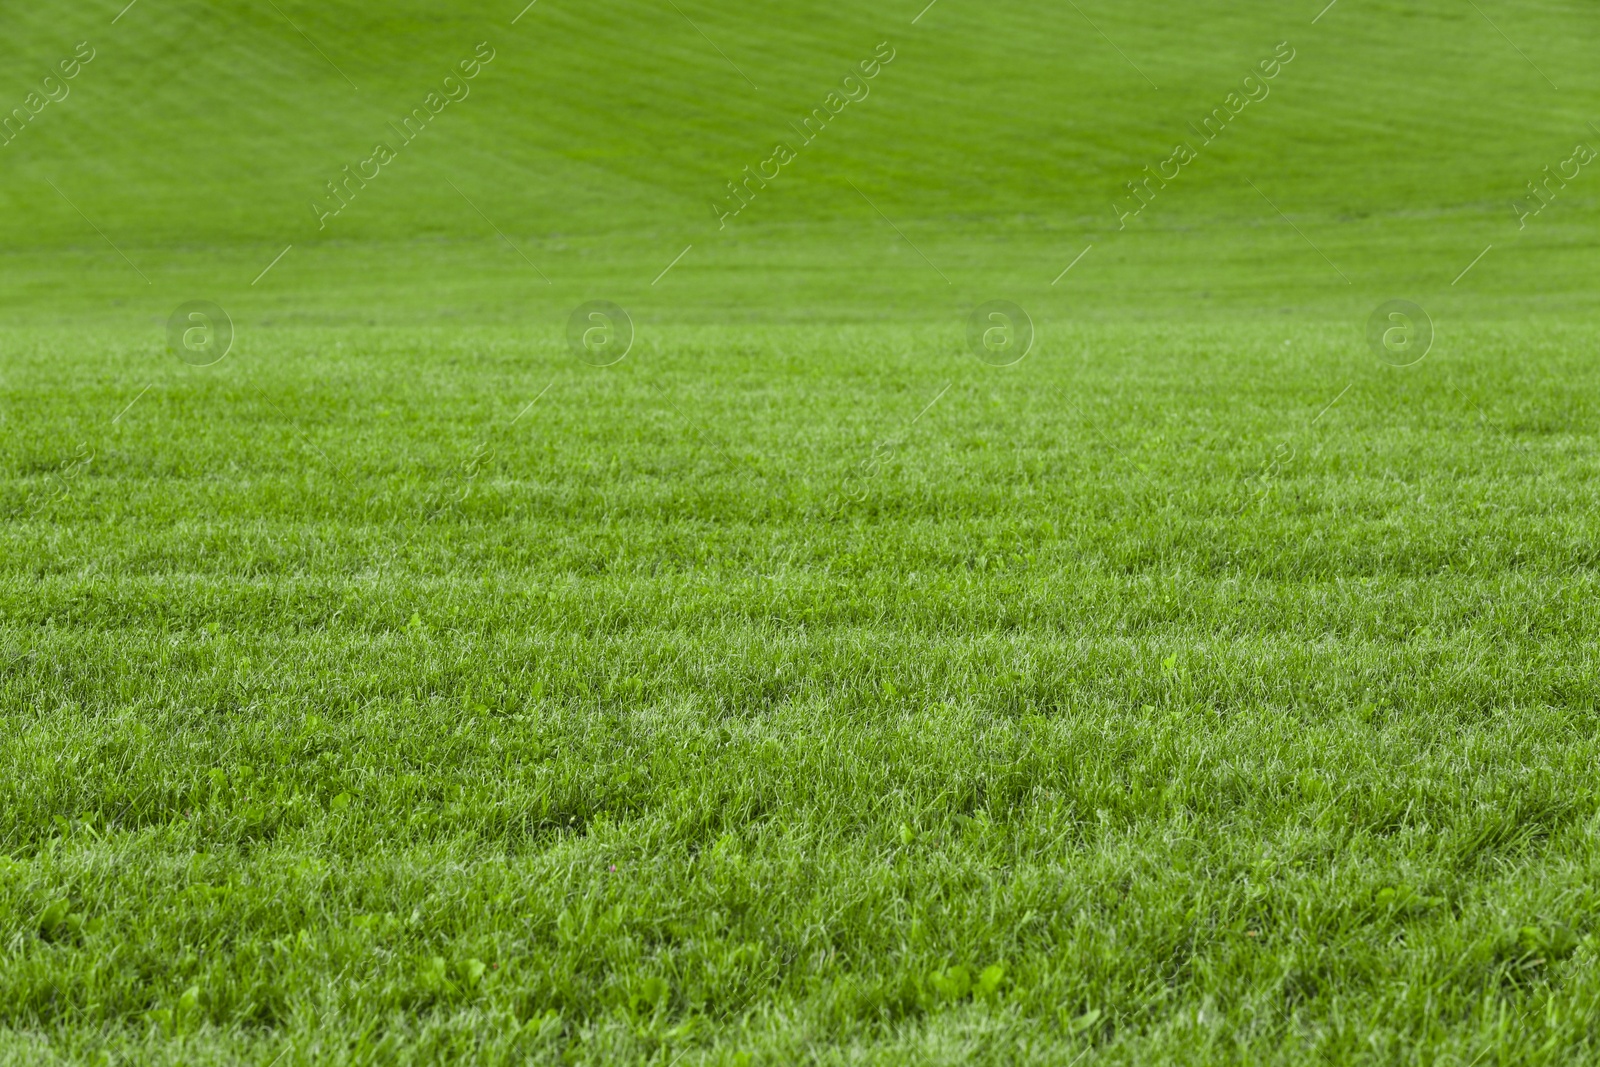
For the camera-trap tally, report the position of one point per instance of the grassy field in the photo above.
(1208, 686)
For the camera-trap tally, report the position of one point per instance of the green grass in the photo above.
(800, 689)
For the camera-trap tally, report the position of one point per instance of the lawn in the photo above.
(803, 684)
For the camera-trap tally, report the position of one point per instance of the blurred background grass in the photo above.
(995, 141)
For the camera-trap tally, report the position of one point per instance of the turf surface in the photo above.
(401, 687)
